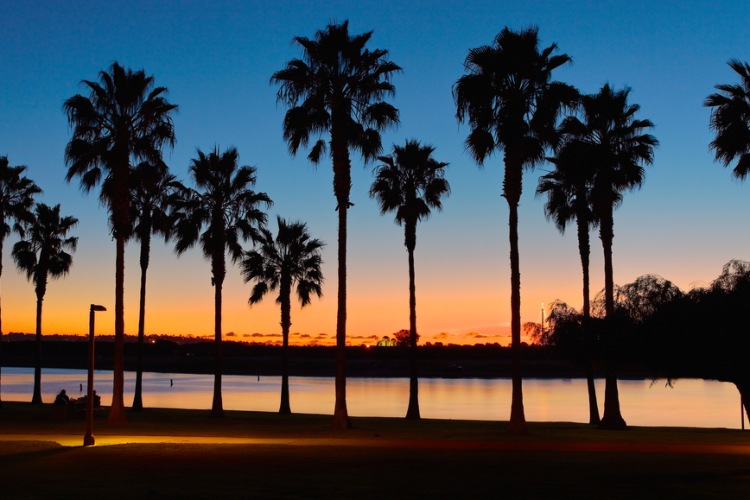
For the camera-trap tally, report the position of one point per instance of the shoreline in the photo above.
(482, 362)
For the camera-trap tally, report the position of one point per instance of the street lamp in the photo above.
(88, 439)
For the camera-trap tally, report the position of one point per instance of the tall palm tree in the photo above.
(221, 214)
(410, 183)
(568, 189)
(290, 260)
(149, 212)
(16, 201)
(124, 119)
(337, 90)
(511, 105)
(730, 120)
(619, 147)
(43, 254)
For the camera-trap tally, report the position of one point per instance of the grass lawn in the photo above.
(185, 454)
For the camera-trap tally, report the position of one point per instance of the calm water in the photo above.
(689, 402)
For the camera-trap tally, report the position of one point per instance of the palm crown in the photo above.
(223, 207)
(508, 98)
(410, 183)
(338, 84)
(44, 250)
(16, 198)
(730, 119)
(125, 117)
(292, 257)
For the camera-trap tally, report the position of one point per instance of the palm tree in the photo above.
(149, 206)
(410, 183)
(337, 90)
(730, 119)
(511, 104)
(618, 148)
(43, 254)
(568, 189)
(291, 259)
(220, 215)
(16, 200)
(124, 119)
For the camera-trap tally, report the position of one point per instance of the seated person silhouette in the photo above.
(62, 398)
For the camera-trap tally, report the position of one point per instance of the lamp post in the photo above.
(88, 439)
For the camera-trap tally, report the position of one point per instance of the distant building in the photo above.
(386, 342)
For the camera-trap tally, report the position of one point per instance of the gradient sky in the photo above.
(216, 59)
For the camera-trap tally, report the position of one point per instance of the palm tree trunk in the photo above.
(286, 323)
(612, 418)
(512, 186)
(340, 413)
(584, 249)
(1, 322)
(744, 389)
(36, 398)
(412, 412)
(144, 261)
(219, 272)
(117, 410)
(342, 184)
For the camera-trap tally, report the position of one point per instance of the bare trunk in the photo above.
(117, 410)
(121, 225)
(286, 323)
(584, 249)
(219, 272)
(512, 188)
(612, 418)
(413, 410)
(36, 398)
(144, 261)
(342, 184)
(1, 320)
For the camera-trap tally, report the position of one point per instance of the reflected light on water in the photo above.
(691, 402)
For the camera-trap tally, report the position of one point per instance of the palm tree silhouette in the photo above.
(511, 105)
(43, 254)
(16, 201)
(337, 89)
(124, 119)
(291, 259)
(568, 189)
(410, 183)
(730, 120)
(150, 192)
(220, 215)
(619, 147)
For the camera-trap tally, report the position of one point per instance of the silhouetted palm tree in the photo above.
(511, 105)
(124, 119)
(220, 215)
(568, 189)
(619, 147)
(43, 254)
(410, 183)
(291, 259)
(150, 191)
(730, 120)
(337, 90)
(16, 201)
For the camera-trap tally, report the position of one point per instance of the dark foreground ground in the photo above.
(187, 454)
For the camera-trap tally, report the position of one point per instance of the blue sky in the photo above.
(216, 59)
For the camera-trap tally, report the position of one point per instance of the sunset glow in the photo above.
(684, 224)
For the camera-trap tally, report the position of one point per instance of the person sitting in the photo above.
(62, 398)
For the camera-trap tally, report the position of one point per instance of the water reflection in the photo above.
(695, 403)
